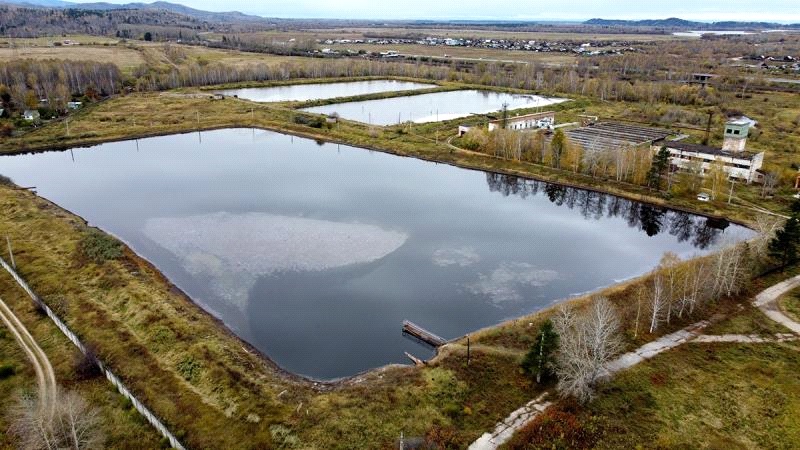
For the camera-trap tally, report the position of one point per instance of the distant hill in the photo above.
(674, 22)
(208, 16)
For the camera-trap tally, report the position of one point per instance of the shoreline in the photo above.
(322, 385)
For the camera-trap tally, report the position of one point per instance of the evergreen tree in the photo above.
(657, 168)
(784, 246)
(540, 360)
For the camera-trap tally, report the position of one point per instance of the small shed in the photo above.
(74, 105)
(463, 129)
(332, 118)
(31, 115)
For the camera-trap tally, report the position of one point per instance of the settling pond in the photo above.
(433, 107)
(315, 253)
(321, 91)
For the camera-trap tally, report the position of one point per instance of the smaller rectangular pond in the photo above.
(432, 107)
(322, 91)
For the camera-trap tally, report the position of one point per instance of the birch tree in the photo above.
(588, 341)
(75, 425)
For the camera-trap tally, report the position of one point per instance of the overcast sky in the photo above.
(702, 10)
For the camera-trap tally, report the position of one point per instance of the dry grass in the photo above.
(125, 58)
(466, 53)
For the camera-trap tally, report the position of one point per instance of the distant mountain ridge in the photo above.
(230, 16)
(674, 22)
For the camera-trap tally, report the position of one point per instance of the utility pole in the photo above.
(198, 118)
(730, 194)
(67, 123)
(467, 350)
(708, 128)
(11, 253)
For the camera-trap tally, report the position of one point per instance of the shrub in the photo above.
(99, 247)
(557, 429)
(6, 129)
(86, 364)
(6, 371)
(5, 181)
(189, 368)
(314, 122)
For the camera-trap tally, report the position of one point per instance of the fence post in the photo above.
(11, 253)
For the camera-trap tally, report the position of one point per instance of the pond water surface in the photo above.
(432, 107)
(321, 91)
(316, 253)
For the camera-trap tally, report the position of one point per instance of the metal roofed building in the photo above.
(603, 136)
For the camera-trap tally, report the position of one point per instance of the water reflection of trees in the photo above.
(702, 232)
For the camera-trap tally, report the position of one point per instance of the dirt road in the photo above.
(45, 376)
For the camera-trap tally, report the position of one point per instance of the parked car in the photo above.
(703, 197)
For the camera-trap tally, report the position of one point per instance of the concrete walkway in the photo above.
(767, 302)
(504, 430)
(746, 338)
(660, 345)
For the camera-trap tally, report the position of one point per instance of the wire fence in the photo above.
(143, 410)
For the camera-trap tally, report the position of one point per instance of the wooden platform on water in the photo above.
(423, 334)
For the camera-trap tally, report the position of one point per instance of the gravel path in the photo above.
(44, 371)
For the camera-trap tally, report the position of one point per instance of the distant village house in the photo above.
(31, 115)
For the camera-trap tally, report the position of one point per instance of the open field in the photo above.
(133, 54)
(467, 53)
(126, 58)
(48, 41)
(703, 396)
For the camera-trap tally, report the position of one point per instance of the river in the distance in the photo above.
(315, 253)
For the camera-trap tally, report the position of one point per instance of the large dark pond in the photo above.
(315, 253)
(320, 91)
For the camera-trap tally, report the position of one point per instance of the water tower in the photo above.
(736, 132)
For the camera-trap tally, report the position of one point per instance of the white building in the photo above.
(742, 165)
(736, 161)
(527, 122)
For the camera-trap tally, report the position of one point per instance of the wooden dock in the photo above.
(423, 334)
